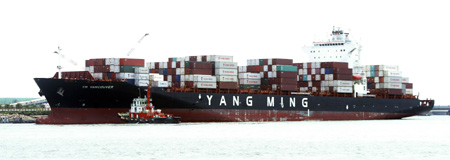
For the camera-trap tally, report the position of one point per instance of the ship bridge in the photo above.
(338, 48)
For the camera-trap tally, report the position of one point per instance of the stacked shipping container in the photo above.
(208, 71)
(276, 74)
(114, 68)
(325, 77)
(387, 79)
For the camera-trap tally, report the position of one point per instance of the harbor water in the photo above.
(419, 137)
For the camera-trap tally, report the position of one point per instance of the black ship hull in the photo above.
(83, 101)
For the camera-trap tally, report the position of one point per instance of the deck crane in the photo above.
(60, 55)
(140, 40)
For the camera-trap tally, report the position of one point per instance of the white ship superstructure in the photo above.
(339, 48)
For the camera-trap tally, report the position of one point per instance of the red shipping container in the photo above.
(345, 71)
(279, 61)
(132, 62)
(204, 58)
(334, 65)
(193, 58)
(266, 75)
(342, 77)
(299, 65)
(370, 79)
(228, 85)
(200, 65)
(156, 65)
(282, 74)
(199, 71)
(253, 69)
(287, 87)
(283, 80)
(408, 85)
(303, 84)
(172, 71)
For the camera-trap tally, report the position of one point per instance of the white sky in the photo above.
(411, 34)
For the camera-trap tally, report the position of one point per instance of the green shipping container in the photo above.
(128, 69)
(286, 68)
(245, 86)
(265, 81)
(261, 62)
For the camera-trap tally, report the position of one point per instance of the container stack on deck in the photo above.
(114, 68)
(206, 72)
(387, 79)
(276, 74)
(225, 70)
(325, 77)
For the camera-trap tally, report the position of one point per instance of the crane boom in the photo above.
(140, 40)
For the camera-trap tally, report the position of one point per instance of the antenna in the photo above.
(140, 40)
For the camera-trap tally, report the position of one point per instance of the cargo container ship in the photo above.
(332, 85)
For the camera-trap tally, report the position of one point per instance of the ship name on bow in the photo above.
(98, 87)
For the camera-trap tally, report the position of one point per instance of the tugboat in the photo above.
(142, 111)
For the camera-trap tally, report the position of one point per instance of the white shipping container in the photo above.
(391, 85)
(140, 70)
(142, 76)
(343, 89)
(173, 65)
(303, 89)
(309, 78)
(169, 78)
(222, 58)
(274, 87)
(126, 76)
(209, 85)
(405, 80)
(227, 78)
(409, 91)
(309, 83)
(392, 79)
(164, 65)
(250, 75)
(250, 81)
(377, 79)
(199, 58)
(324, 83)
(389, 68)
(91, 69)
(342, 83)
(225, 65)
(141, 83)
(322, 71)
(380, 74)
(156, 77)
(313, 71)
(182, 84)
(98, 75)
(269, 61)
(392, 73)
(227, 72)
(204, 78)
(160, 84)
(261, 74)
(317, 77)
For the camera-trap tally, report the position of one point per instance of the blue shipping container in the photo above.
(178, 77)
(305, 77)
(130, 81)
